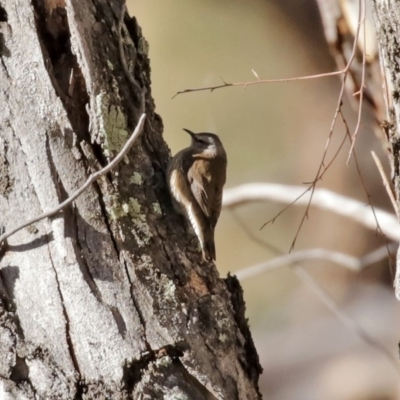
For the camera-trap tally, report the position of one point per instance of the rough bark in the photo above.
(110, 298)
(387, 23)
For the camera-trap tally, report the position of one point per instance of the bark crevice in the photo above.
(3, 14)
(135, 303)
(62, 65)
(66, 319)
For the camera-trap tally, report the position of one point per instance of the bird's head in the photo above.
(207, 143)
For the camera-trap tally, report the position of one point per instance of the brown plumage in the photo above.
(196, 176)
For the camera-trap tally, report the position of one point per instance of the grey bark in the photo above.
(387, 23)
(110, 298)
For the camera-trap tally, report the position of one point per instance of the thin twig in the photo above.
(320, 171)
(374, 212)
(343, 71)
(310, 187)
(250, 83)
(93, 177)
(361, 21)
(272, 220)
(386, 183)
(318, 176)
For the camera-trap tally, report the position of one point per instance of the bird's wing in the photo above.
(216, 209)
(202, 187)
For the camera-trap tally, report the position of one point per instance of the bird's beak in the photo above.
(189, 132)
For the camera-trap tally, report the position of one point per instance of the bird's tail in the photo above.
(208, 245)
(203, 230)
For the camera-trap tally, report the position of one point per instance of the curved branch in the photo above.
(90, 180)
(344, 260)
(322, 198)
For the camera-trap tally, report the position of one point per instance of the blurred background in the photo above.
(277, 133)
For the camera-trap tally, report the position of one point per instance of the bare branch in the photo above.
(93, 177)
(344, 260)
(343, 71)
(322, 198)
(250, 83)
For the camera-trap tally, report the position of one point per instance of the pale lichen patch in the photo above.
(136, 178)
(110, 65)
(224, 325)
(32, 229)
(169, 290)
(164, 361)
(135, 208)
(112, 124)
(222, 337)
(143, 46)
(157, 208)
(115, 209)
(142, 232)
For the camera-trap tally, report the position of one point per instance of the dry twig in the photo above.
(386, 183)
(93, 177)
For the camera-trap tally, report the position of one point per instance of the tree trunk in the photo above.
(109, 298)
(387, 23)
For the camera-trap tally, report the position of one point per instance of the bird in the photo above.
(196, 176)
